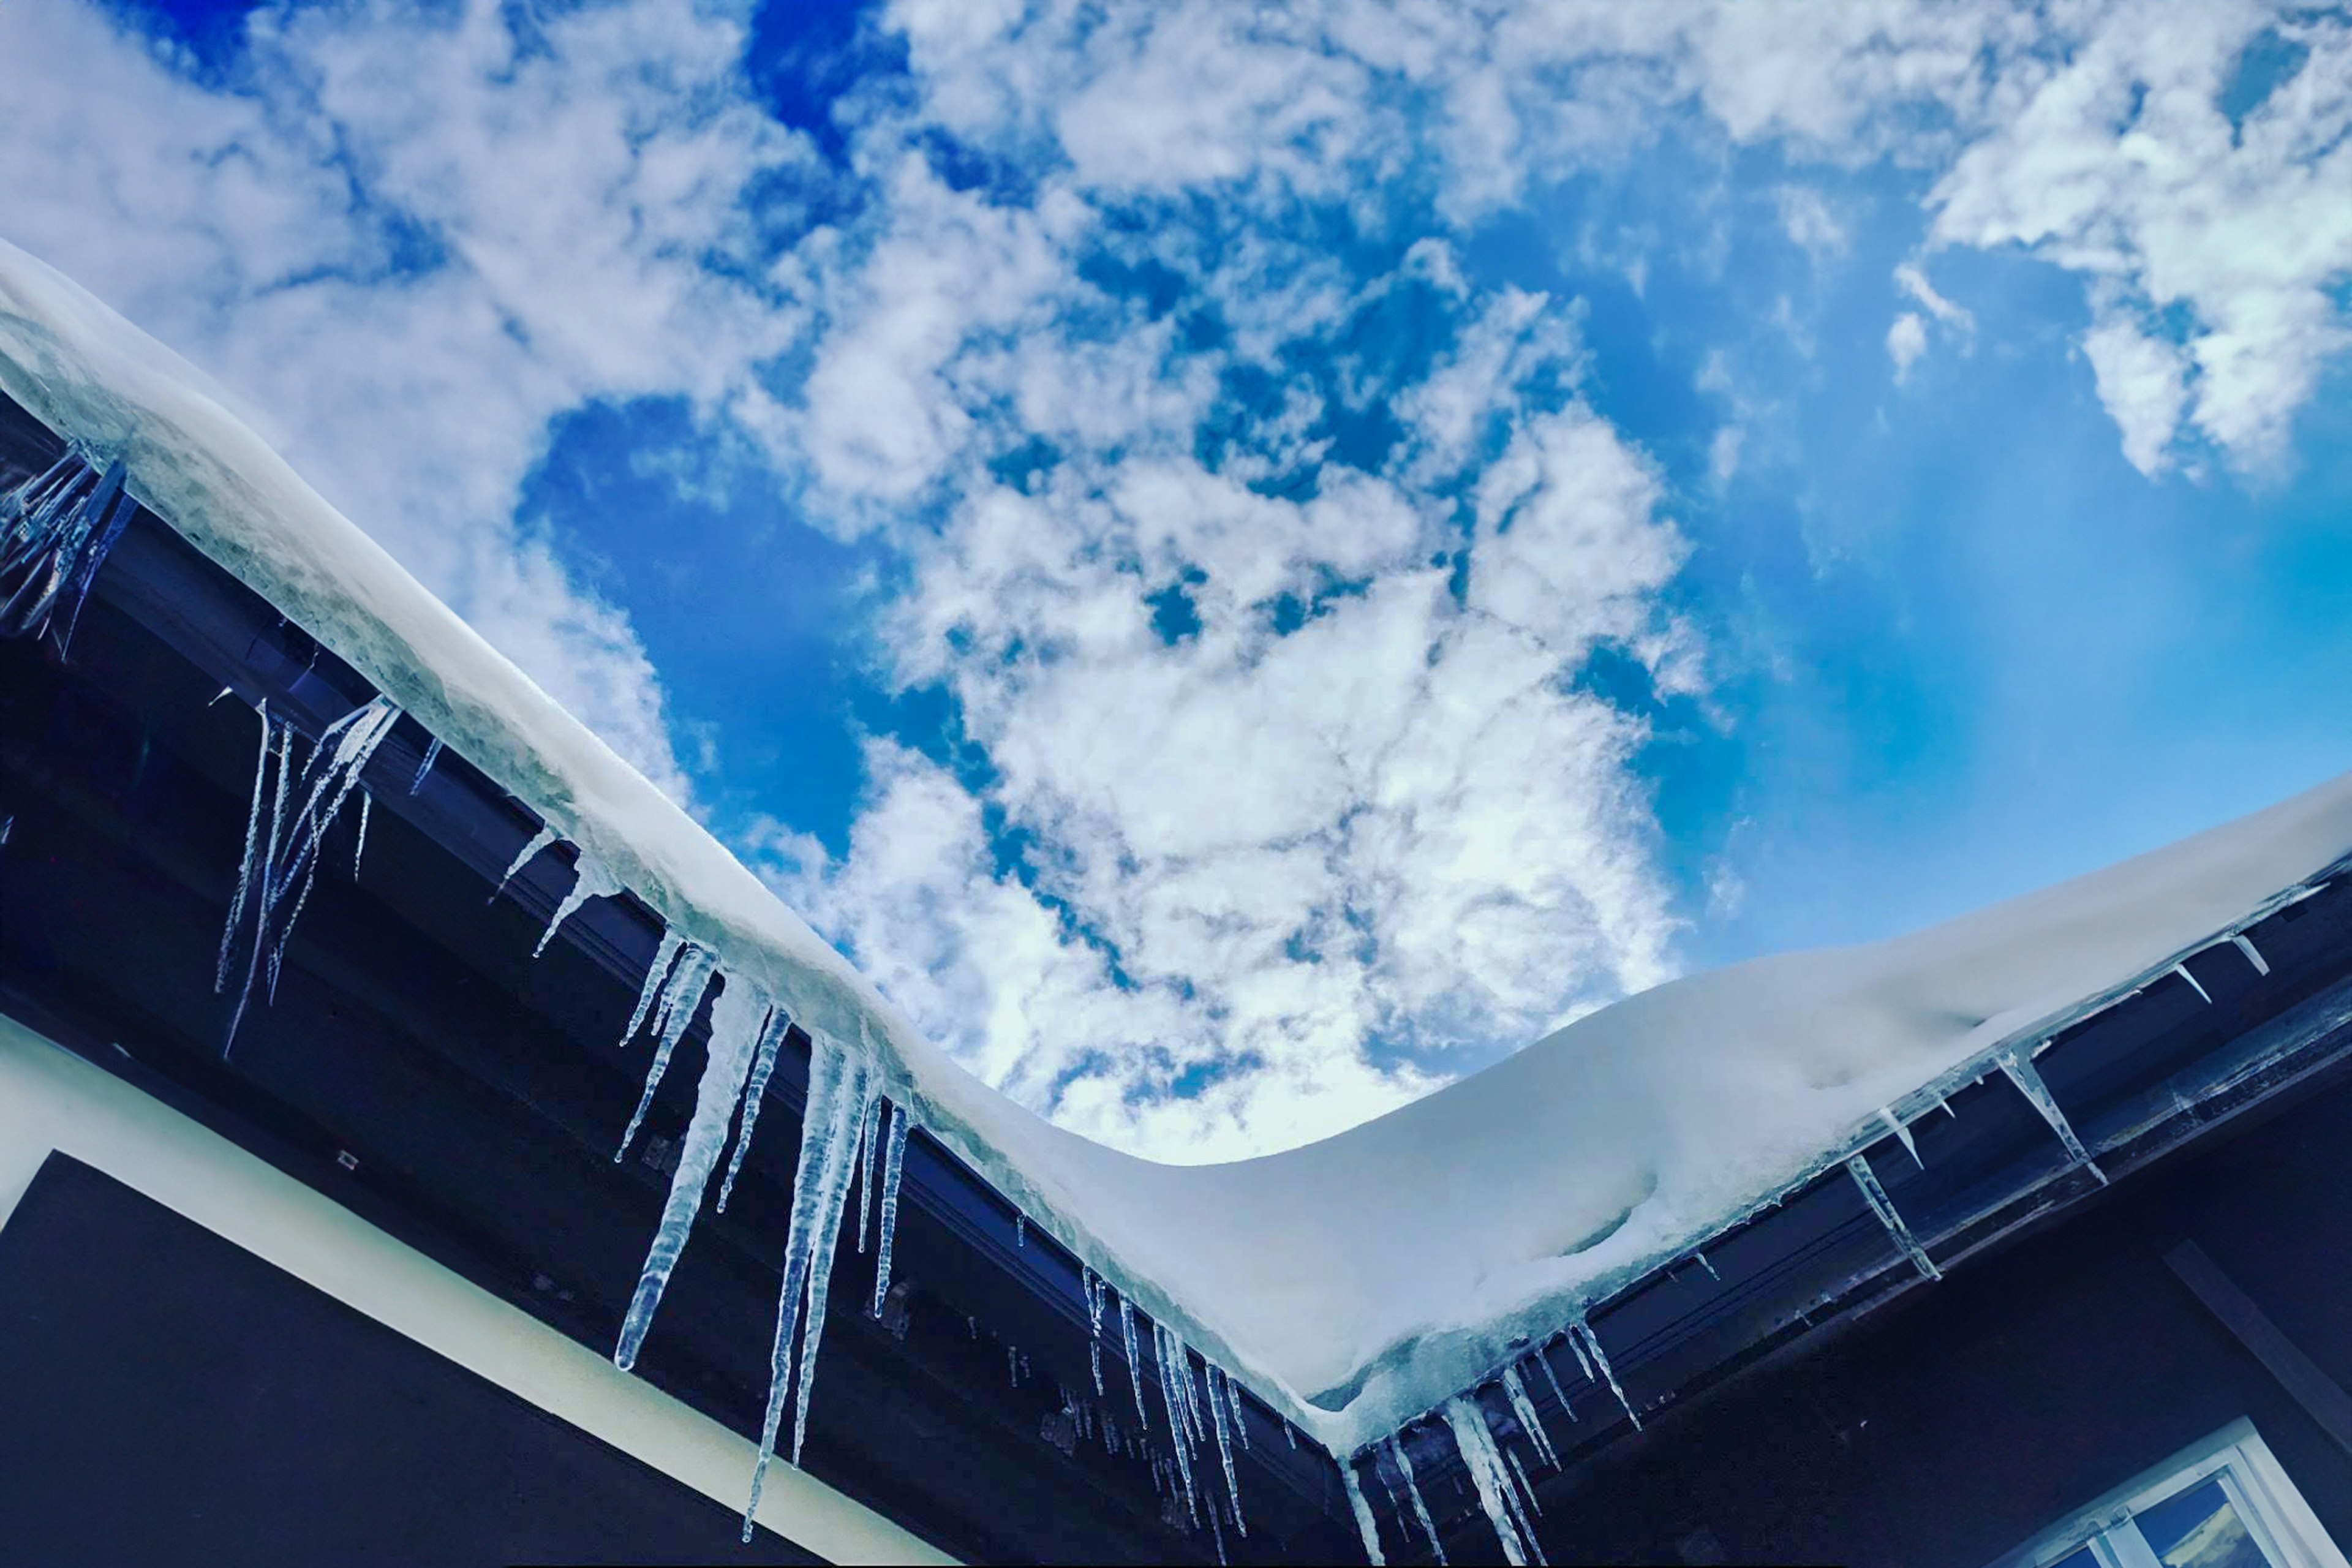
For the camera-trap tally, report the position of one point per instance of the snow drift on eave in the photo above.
(1358, 1281)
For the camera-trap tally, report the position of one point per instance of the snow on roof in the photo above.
(1356, 1283)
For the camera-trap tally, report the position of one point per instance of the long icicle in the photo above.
(735, 1020)
(1412, 1489)
(893, 1163)
(1525, 1409)
(1226, 1443)
(1181, 1437)
(1497, 1493)
(1582, 1329)
(869, 1140)
(432, 755)
(657, 976)
(862, 1084)
(252, 842)
(680, 999)
(763, 1065)
(819, 1187)
(1366, 1525)
(1134, 1372)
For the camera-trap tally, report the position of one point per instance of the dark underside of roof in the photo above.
(421, 1068)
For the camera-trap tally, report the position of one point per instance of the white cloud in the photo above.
(2120, 163)
(1809, 222)
(1907, 340)
(2142, 383)
(407, 240)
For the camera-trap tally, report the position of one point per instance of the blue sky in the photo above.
(1244, 568)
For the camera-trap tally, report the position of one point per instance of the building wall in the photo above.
(1946, 1428)
(52, 1101)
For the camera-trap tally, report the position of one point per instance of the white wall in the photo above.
(52, 1099)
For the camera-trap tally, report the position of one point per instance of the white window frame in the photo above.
(2274, 1513)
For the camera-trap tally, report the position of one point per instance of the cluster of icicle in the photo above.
(299, 788)
(1193, 1405)
(54, 532)
(1505, 1493)
(847, 1128)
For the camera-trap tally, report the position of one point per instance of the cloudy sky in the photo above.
(1246, 560)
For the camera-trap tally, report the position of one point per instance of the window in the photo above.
(2220, 1503)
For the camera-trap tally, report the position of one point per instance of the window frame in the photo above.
(2282, 1524)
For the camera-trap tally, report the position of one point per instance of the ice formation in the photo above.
(1366, 1525)
(738, 1021)
(763, 1065)
(1497, 1492)
(841, 1085)
(894, 1163)
(681, 996)
(1525, 1409)
(1882, 1206)
(2017, 1063)
(56, 530)
(1403, 1462)
(1218, 1403)
(279, 866)
(1617, 1145)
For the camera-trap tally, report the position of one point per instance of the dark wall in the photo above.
(167, 1397)
(1949, 1427)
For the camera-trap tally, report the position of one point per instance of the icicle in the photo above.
(288, 856)
(1544, 1362)
(1288, 1433)
(684, 987)
(1217, 1531)
(836, 1097)
(1582, 1329)
(1095, 1288)
(1711, 1274)
(1946, 1107)
(1164, 1341)
(764, 1064)
(1883, 1207)
(252, 842)
(2028, 1079)
(1582, 1360)
(1525, 1409)
(2182, 971)
(680, 1000)
(1233, 1398)
(1134, 1374)
(1902, 1132)
(657, 976)
(432, 755)
(1486, 1474)
(869, 1141)
(735, 1020)
(367, 803)
(1217, 1398)
(589, 880)
(1366, 1525)
(539, 841)
(1020, 1230)
(1526, 1488)
(1412, 1491)
(2246, 946)
(893, 1163)
(55, 531)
